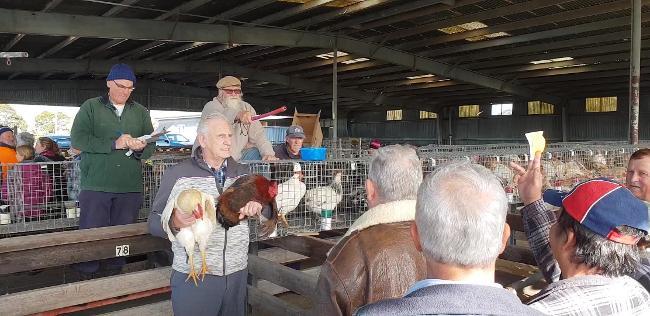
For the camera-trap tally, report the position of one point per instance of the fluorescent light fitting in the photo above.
(420, 76)
(354, 61)
(330, 55)
(562, 59)
(552, 60)
(567, 66)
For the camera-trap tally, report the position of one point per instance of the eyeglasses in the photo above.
(131, 88)
(231, 91)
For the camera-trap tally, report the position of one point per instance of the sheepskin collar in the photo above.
(391, 212)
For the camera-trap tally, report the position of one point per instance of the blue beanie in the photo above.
(121, 71)
(5, 129)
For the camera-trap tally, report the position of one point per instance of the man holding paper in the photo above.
(104, 130)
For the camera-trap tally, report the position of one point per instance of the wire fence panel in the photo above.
(314, 195)
(35, 197)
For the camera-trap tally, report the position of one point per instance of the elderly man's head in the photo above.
(460, 217)
(294, 138)
(7, 136)
(637, 178)
(120, 82)
(395, 174)
(215, 137)
(230, 93)
(598, 228)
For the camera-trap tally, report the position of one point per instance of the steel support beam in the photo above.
(392, 11)
(18, 21)
(508, 27)
(635, 71)
(141, 66)
(563, 31)
(283, 14)
(335, 86)
(465, 18)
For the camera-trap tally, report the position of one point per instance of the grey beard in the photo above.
(233, 103)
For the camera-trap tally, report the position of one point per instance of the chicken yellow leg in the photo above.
(204, 266)
(283, 220)
(192, 273)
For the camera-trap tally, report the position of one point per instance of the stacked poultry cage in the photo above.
(39, 197)
(152, 172)
(315, 195)
(563, 164)
(347, 148)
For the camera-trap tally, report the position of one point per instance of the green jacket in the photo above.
(94, 131)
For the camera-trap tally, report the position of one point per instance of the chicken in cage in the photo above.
(290, 193)
(314, 195)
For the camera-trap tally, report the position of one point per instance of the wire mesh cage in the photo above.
(39, 196)
(347, 148)
(152, 172)
(315, 195)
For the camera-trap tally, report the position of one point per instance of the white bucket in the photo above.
(5, 218)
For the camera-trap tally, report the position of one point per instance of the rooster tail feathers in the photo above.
(268, 227)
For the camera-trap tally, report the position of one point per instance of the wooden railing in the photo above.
(27, 253)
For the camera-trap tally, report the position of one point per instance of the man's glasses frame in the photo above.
(131, 88)
(231, 91)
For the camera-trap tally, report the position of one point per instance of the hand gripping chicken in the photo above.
(201, 205)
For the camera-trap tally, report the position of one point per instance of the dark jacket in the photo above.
(48, 156)
(376, 260)
(282, 153)
(57, 172)
(452, 299)
(94, 131)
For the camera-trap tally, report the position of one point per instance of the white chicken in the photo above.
(290, 193)
(201, 205)
(325, 198)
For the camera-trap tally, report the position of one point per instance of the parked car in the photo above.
(63, 141)
(173, 140)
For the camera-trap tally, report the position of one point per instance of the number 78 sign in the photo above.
(121, 250)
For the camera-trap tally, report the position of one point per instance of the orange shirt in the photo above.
(7, 157)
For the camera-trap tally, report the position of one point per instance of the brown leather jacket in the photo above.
(371, 264)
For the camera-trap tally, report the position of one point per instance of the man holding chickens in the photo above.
(376, 258)
(210, 170)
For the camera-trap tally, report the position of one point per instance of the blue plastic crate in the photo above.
(314, 154)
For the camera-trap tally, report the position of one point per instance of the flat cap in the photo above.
(228, 81)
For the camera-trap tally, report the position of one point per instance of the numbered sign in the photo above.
(121, 250)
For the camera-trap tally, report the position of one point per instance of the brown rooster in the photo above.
(248, 188)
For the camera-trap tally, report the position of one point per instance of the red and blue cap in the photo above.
(602, 205)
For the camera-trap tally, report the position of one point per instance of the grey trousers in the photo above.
(215, 295)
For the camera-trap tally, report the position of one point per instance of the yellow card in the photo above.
(536, 142)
